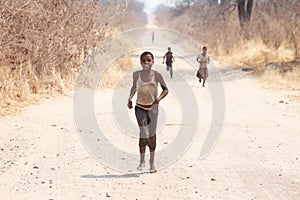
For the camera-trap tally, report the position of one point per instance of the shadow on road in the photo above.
(131, 175)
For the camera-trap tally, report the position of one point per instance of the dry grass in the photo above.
(115, 72)
(280, 75)
(272, 36)
(255, 52)
(43, 44)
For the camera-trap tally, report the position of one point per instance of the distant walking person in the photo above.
(203, 59)
(145, 84)
(169, 61)
(152, 35)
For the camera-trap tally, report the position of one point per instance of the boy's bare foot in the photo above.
(200, 80)
(152, 169)
(141, 166)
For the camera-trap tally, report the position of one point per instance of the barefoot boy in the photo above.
(169, 61)
(145, 83)
(203, 59)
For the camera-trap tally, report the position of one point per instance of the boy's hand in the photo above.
(156, 102)
(129, 104)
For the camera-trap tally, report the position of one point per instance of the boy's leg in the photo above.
(205, 76)
(152, 138)
(171, 72)
(168, 65)
(143, 142)
(152, 146)
(141, 116)
(152, 166)
(142, 158)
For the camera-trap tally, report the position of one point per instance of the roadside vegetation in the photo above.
(262, 35)
(43, 44)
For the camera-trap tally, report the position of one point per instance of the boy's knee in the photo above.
(152, 143)
(144, 132)
(143, 142)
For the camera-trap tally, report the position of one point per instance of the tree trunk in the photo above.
(245, 11)
(222, 2)
(213, 3)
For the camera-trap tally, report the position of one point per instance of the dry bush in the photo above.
(283, 75)
(269, 44)
(133, 17)
(274, 27)
(210, 26)
(43, 43)
(277, 23)
(114, 73)
(272, 36)
(255, 53)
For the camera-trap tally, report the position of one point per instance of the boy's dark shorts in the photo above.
(147, 121)
(169, 63)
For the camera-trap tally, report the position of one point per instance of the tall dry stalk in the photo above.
(43, 43)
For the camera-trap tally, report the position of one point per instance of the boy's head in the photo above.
(147, 60)
(169, 48)
(146, 53)
(204, 48)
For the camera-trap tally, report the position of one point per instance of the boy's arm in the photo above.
(202, 61)
(132, 90)
(164, 58)
(164, 87)
(198, 59)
